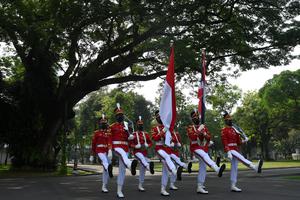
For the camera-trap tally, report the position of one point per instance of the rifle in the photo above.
(129, 125)
(240, 131)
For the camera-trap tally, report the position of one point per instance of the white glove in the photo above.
(211, 143)
(245, 140)
(165, 129)
(130, 137)
(201, 127)
(229, 155)
(146, 145)
(109, 154)
(91, 158)
(172, 144)
(126, 126)
(178, 144)
(138, 146)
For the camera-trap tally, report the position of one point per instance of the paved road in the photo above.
(269, 185)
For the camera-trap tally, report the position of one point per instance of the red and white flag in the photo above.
(201, 89)
(167, 110)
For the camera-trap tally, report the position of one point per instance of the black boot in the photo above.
(179, 172)
(151, 167)
(110, 170)
(222, 168)
(190, 167)
(133, 167)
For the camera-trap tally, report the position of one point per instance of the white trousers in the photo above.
(202, 172)
(177, 160)
(105, 162)
(236, 157)
(173, 177)
(144, 165)
(165, 174)
(202, 155)
(123, 163)
(167, 158)
(168, 166)
(204, 160)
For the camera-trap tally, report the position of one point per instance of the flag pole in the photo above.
(201, 91)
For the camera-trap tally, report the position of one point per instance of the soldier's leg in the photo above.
(128, 163)
(142, 174)
(173, 178)
(201, 177)
(142, 178)
(178, 161)
(142, 160)
(164, 179)
(201, 172)
(105, 163)
(205, 157)
(246, 162)
(104, 160)
(166, 157)
(123, 155)
(121, 177)
(234, 174)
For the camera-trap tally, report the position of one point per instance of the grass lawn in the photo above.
(267, 165)
(293, 178)
(5, 171)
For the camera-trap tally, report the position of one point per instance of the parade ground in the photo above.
(271, 184)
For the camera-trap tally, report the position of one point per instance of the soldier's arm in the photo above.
(149, 141)
(94, 144)
(155, 135)
(207, 136)
(238, 139)
(225, 140)
(109, 138)
(190, 133)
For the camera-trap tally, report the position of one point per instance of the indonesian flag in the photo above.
(167, 110)
(201, 89)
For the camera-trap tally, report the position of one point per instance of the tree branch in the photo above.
(129, 78)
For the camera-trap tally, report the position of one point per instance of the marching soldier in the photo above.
(199, 143)
(101, 145)
(231, 141)
(175, 145)
(163, 151)
(140, 143)
(120, 135)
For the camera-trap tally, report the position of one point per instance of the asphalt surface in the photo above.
(271, 184)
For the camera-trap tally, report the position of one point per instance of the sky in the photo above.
(248, 81)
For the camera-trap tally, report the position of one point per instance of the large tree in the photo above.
(70, 48)
(256, 122)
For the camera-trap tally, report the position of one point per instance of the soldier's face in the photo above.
(196, 120)
(120, 118)
(140, 127)
(103, 125)
(228, 122)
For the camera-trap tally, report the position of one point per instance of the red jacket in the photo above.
(158, 135)
(198, 140)
(119, 136)
(230, 138)
(139, 137)
(101, 141)
(176, 139)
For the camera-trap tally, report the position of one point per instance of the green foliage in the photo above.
(98, 103)
(281, 96)
(224, 97)
(256, 122)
